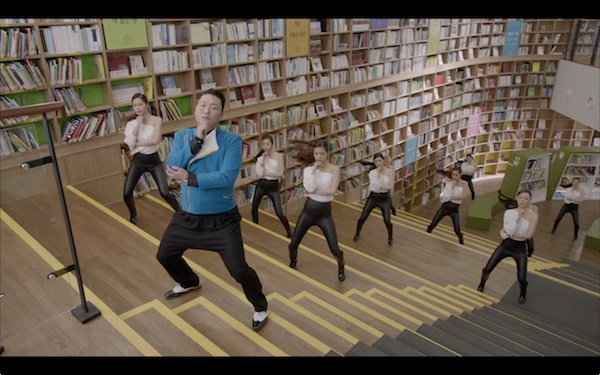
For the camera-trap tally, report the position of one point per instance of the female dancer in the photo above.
(320, 179)
(143, 136)
(387, 162)
(574, 195)
(381, 182)
(468, 168)
(270, 170)
(519, 226)
(454, 192)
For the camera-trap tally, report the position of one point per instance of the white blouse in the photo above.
(313, 180)
(573, 196)
(449, 191)
(377, 181)
(271, 166)
(468, 169)
(146, 132)
(511, 227)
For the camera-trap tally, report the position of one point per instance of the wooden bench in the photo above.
(482, 209)
(592, 237)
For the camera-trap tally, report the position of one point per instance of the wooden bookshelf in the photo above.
(428, 91)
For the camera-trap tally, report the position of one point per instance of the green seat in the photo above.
(592, 237)
(482, 209)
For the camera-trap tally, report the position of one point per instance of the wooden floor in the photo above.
(388, 289)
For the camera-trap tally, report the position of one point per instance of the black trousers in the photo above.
(271, 189)
(469, 180)
(573, 209)
(447, 209)
(381, 200)
(514, 249)
(220, 233)
(319, 214)
(147, 163)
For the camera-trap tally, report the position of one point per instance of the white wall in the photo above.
(577, 93)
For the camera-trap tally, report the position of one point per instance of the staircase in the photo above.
(546, 325)
(505, 328)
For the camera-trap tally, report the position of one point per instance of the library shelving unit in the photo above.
(527, 169)
(426, 91)
(588, 29)
(575, 161)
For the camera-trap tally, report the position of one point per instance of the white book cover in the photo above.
(316, 64)
(267, 90)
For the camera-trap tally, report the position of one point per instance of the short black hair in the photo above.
(216, 93)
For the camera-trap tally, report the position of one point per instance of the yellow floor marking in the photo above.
(474, 298)
(411, 291)
(180, 323)
(469, 289)
(399, 301)
(336, 310)
(385, 306)
(111, 317)
(316, 319)
(244, 329)
(445, 297)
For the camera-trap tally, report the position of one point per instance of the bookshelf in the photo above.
(428, 91)
(575, 161)
(527, 169)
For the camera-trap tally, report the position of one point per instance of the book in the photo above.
(99, 64)
(200, 32)
(248, 96)
(233, 99)
(136, 62)
(316, 64)
(440, 79)
(118, 66)
(169, 87)
(267, 90)
(206, 79)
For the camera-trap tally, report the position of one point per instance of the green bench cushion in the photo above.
(482, 209)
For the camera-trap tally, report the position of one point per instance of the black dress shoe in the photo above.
(390, 241)
(293, 263)
(258, 324)
(178, 290)
(356, 237)
(341, 274)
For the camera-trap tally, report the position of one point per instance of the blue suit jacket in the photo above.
(216, 173)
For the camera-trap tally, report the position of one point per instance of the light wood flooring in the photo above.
(388, 289)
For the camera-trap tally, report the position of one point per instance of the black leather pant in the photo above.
(514, 249)
(573, 209)
(271, 189)
(450, 209)
(319, 214)
(381, 200)
(147, 163)
(469, 180)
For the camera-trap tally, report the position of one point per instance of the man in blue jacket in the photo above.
(207, 160)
